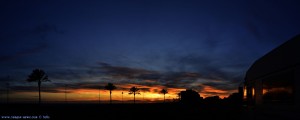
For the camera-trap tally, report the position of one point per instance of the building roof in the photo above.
(282, 57)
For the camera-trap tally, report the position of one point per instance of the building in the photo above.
(275, 77)
(190, 96)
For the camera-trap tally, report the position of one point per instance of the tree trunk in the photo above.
(39, 85)
(134, 98)
(110, 96)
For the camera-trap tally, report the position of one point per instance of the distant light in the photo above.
(245, 92)
(253, 92)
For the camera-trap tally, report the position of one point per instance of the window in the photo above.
(279, 88)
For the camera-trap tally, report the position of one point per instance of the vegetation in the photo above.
(38, 76)
(110, 87)
(164, 91)
(134, 90)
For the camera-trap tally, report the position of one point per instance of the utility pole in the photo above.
(143, 96)
(122, 96)
(7, 93)
(66, 94)
(99, 95)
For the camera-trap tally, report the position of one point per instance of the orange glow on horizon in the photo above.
(210, 91)
(147, 93)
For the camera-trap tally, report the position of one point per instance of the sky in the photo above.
(204, 45)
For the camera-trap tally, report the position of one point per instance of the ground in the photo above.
(119, 111)
(149, 111)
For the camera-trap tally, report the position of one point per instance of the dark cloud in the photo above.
(122, 72)
(87, 85)
(5, 79)
(179, 79)
(253, 29)
(210, 68)
(34, 89)
(145, 89)
(75, 78)
(23, 53)
(222, 85)
(215, 93)
(66, 74)
(149, 77)
(45, 28)
(59, 87)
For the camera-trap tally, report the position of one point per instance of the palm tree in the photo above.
(164, 91)
(134, 90)
(110, 87)
(38, 76)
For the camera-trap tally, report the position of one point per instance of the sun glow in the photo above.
(147, 93)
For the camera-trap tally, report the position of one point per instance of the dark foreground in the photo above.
(153, 111)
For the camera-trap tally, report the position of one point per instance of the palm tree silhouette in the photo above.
(38, 76)
(110, 87)
(164, 91)
(134, 90)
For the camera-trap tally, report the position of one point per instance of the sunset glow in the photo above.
(92, 95)
(151, 45)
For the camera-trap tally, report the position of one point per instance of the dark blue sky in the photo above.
(177, 44)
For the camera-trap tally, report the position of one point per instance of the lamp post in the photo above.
(66, 100)
(122, 96)
(99, 95)
(7, 93)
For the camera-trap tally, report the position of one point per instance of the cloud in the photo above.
(58, 87)
(211, 68)
(150, 77)
(218, 78)
(179, 79)
(34, 89)
(45, 28)
(97, 76)
(253, 29)
(23, 53)
(67, 74)
(221, 85)
(123, 72)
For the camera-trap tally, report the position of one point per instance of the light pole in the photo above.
(99, 95)
(7, 93)
(66, 94)
(122, 96)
